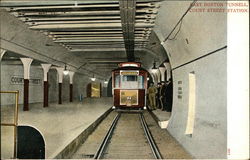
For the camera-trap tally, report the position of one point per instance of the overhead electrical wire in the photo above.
(176, 32)
(179, 23)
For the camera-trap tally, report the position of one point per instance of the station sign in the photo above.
(18, 80)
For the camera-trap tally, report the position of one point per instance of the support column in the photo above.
(2, 51)
(162, 71)
(60, 79)
(46, 68)
(26, 68)
(59, 93)
(154, 77)
(168, 69)
(71, 76)
(158, 76)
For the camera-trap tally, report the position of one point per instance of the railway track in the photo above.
(128, 137)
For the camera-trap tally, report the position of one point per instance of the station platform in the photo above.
(161, 117)
(63, 126)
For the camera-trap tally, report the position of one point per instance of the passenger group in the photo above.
(160, 96)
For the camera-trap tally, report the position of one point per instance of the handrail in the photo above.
(9, 91)
(15, 124)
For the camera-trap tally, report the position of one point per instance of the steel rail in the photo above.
(150, 139)
(104, 143)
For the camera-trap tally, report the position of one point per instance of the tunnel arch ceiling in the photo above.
(26, 30)
(13, 31)
(199, 33)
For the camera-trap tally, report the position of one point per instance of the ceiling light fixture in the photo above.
(105, 81)
(65, 72)
(93, 78)
(154, 69)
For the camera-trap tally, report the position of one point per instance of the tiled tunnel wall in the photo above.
(188, 51)
(36, 91)
(209, 138)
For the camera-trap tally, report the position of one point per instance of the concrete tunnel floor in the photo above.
(59, 124)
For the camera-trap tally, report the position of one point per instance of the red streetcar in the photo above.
(129, 86)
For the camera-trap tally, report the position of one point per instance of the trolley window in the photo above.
(129, 78)
(117, 81)
(140, 82)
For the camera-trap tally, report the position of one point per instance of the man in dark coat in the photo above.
(158, 102)
(162, 95)
(169, 96)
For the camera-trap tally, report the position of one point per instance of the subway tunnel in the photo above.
(59, 56)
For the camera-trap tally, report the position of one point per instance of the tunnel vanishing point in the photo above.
(58, 53)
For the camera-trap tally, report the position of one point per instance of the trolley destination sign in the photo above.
(129, 72)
